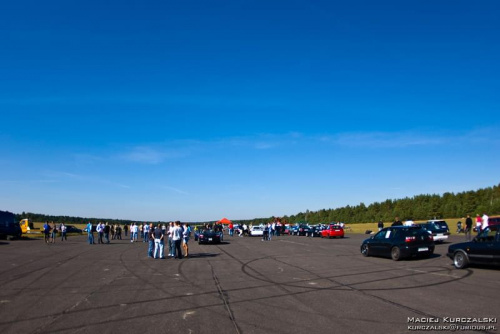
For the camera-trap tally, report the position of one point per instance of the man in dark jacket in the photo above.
(397, 222)
(468, 228)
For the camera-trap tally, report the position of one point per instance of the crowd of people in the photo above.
(50, 231)
(173, 235)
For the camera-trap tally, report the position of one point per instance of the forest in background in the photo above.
(420, 207)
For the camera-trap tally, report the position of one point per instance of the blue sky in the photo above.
(198, 110)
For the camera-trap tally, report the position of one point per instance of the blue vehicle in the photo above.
(9, 226)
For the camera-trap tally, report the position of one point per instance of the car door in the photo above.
(380, 244)
(485, 247)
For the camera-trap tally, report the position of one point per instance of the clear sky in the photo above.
(198, 110)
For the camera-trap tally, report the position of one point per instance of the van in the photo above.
(9, 226)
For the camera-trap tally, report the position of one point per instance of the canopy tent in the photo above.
(224, 221)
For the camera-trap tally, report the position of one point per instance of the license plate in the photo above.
(423, 249)
(440, 234)
(209, 239)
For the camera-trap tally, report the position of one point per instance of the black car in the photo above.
(302, 230)
(9, 226)
(483, 249)
(314, 231)
(73, 229)
(398, 242)
(209, 237)
(438, 228)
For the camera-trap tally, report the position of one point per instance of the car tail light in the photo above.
(410, 239)
(301, 229)
(431, 238)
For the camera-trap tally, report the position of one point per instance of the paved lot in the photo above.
(288, 285)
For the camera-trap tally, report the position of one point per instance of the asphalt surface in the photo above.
(288, 285)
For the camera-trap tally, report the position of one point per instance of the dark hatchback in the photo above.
(209, 237)
(438, 228)
(483, 249)
(73, 229)
(303, 230)
(398, 242)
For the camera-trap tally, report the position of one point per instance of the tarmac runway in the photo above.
(244, 285)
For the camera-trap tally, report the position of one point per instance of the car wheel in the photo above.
(460, 260)
(396, 253)
(365, 250)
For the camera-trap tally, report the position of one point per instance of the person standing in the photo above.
(397, 222)
(479, 223)
(158, 236)
(177, 238)
(170, 244)
(185, 239)
(46, 232)
(146, 232)
(151, 240)
(118, 232)
(125, 229)
(90, 233)
(100, 233)
(106, 232)
(231, 229)
(380, 225)
(54, 233)
(485, 219)
(468, 228)
(62, 228)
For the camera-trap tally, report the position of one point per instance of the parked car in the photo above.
(73, 229)
(286, 229)
(314, 231)
(301, 229)
(483, 249)
(494, 220)
(438, 228)
(333, 231)
(9, 226)
(294, 230)
(209, 237)
(256, 231)
(398, 242)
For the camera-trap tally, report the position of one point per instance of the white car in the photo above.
(256, 231)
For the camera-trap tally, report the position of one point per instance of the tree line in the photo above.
(420, 207)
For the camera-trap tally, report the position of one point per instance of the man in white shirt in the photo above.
(177, 238)
(100, 233)
(485, 221)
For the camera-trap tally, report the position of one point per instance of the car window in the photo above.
(383, 235)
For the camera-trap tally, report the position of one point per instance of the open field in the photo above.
(288, 285)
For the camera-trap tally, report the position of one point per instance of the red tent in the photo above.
(224, 221)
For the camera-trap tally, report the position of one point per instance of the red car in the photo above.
(333, 231)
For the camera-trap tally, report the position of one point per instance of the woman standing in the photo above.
(54, 233)
(185, 239)
(177, 238)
